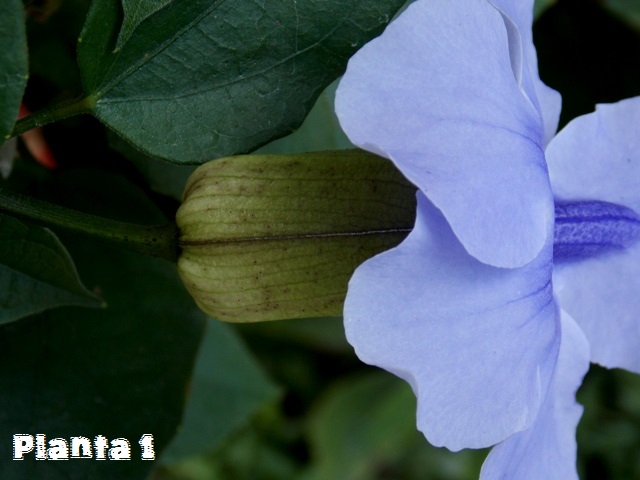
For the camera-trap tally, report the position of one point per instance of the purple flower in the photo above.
(476, 308)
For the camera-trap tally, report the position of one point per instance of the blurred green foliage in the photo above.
(287, 400)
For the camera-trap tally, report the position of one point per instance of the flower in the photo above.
(476, 308)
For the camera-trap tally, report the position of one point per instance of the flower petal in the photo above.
(548, 449)
(597, 157)
(436, 94)
(602, 294)
(477, 343)
(546, 99)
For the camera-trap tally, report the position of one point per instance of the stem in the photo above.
(54, 113)
(157, 240)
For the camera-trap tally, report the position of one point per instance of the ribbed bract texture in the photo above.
(278, 236)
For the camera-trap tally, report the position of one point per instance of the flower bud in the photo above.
(267, 237)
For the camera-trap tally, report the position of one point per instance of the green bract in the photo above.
(269, 237)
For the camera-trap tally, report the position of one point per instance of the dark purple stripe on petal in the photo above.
(586, 229)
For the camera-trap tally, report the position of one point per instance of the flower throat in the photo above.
(586, 229)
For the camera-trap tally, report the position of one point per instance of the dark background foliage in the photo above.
(274, 401)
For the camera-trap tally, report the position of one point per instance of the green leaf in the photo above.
(122, 371)
(97, 42)
(227, 388)
(626, 10)
(36, 272)
(319, 131)
(204, 79)
(255, 453)
(135, 11)
(117, 372)
(361, 425)
(269, 237)
(364, 428)
(163, 177)
(13, 64)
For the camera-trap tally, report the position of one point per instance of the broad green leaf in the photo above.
(364, 428)
(269, 237)
(13, 64)
(122, 371)
(163, 177)
(627, 10)
(319, 131)
(36, 272)
(359, 426)
(227, 388)
(135, 11)
(97, 42)
(118, 372)
(203, 79)
(252, 454)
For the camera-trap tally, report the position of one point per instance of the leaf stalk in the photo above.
(153, 240)
(60, 111)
